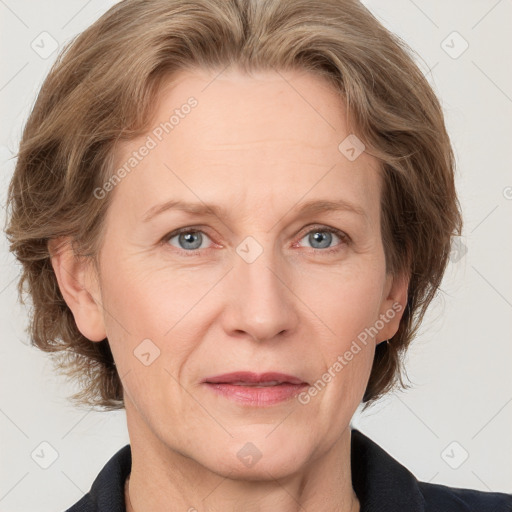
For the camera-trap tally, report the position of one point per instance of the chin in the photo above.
(256, 455)
(267, 468)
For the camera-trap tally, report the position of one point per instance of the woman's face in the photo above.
(259, 283)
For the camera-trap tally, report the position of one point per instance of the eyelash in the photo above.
(345, 239)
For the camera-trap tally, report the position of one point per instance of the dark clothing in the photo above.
(380, 482)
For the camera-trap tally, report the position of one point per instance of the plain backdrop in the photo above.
(455, 425)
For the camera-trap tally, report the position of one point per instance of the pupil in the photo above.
(189, 239)
(319, 235)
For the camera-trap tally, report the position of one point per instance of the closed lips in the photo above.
(254, 379)
(259, 384)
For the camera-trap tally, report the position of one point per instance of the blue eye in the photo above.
(318, 236)
(190, 241)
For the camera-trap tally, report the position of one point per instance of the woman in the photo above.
(232, 217)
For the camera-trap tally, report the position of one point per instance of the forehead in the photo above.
(265, 138)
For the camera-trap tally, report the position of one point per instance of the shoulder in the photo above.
(441, 497)
(85, 504)
(382, 483)
(107, 490)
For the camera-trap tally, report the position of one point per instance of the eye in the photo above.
(188, 240)
(321, 237)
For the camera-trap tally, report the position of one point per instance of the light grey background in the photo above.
(455, 425)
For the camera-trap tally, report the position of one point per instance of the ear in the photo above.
(78, 283)
(393, 305)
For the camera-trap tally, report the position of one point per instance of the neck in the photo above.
(163, 479)
(354, 505)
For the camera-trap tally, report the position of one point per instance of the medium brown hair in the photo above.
(102, 90)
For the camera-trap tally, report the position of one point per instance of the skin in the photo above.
(260, 146)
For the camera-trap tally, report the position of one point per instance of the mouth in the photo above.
(255, 379)
(256, 390)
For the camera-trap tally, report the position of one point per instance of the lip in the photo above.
(243, 388)
(253, 378)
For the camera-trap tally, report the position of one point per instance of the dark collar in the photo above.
(381, 483)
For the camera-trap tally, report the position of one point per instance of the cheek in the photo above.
(349, 300)
(149, 301)
(348, 306)
(146, 328)
(155, 311)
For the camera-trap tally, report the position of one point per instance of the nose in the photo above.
(261, 304)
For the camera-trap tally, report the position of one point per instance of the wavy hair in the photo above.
(102, 89)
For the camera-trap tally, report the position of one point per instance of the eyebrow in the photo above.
(203, 209)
